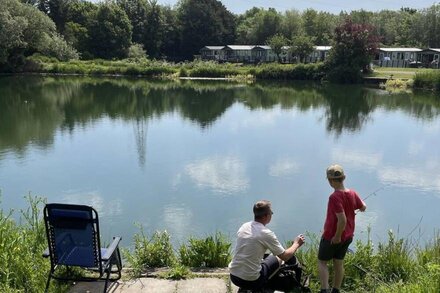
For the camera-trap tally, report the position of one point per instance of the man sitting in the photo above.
(248, 269)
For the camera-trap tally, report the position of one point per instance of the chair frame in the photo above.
(104, 262)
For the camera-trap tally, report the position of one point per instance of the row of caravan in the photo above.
(386, 57)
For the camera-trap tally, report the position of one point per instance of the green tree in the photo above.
(154, 30)
(291, 25)
(204, 22)
(111, 32)
(276, 43)
(432, 26)
(80, 17)
(319, 25)
(136, 11)
(354, 46)
(171, 34)
(25, 30)
(258, 26)
(302, 46)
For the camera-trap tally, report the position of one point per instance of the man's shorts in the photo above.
(328, 251)
(269, 266)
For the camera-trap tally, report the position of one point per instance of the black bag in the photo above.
(289, 278)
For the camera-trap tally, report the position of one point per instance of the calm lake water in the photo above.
(192, 157)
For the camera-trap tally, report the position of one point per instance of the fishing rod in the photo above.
(376, 191)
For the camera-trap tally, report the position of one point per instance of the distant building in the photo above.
(212, 53)
(398, 57)
(319, 54)
(430, 58)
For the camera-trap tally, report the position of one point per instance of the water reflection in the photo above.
(33, 108)
(283, 167)
(192, 157)
(104, 207)
(221, 174)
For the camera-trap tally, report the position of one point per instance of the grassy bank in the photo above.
(396, 265)
(163, 69)
(428, 80)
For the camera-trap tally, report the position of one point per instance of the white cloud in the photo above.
(283, 167)
(221, 174)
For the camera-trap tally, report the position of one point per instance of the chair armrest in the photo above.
(111, 249)
(46, 253)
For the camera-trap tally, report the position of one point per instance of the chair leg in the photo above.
(48, 283)
(107, 278)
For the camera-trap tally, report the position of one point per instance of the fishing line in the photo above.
(376, 191)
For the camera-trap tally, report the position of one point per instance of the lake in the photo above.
(193, 157)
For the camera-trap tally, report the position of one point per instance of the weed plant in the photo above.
(211, 252)
(23, 269)
(150, 252)
(428, 80)
(177, 272)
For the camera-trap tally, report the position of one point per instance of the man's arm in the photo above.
(289, 252)
(342, 221)
(364, 207)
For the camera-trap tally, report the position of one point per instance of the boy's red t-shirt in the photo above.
(341, 201)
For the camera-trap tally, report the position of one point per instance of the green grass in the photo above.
(402, 73)
(23, 269)
(396, 265)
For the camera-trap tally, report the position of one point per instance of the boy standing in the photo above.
(338, 228)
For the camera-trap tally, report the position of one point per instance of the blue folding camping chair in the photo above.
(74, 241)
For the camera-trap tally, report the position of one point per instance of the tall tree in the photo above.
(291, 25)
(319, 25)
(204, 22)
(154, 29)
(136, 11)
(110, 32)
(354, 46)
(171, 34)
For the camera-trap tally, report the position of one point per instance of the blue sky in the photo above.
(334, 6)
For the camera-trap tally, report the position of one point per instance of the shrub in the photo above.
(209, 252)
(393, 259)
(429, 79)
(156, 251)
(23, 268)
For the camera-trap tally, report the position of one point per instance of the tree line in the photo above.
(116, 29)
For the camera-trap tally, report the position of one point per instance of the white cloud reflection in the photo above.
(423, 176)
(95, 200)
(283, 167)
(411, 177)
(356, 159)
(222, 174)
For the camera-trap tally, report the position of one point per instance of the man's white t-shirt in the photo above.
(254, 239)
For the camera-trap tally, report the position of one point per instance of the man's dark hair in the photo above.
(262, 208)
